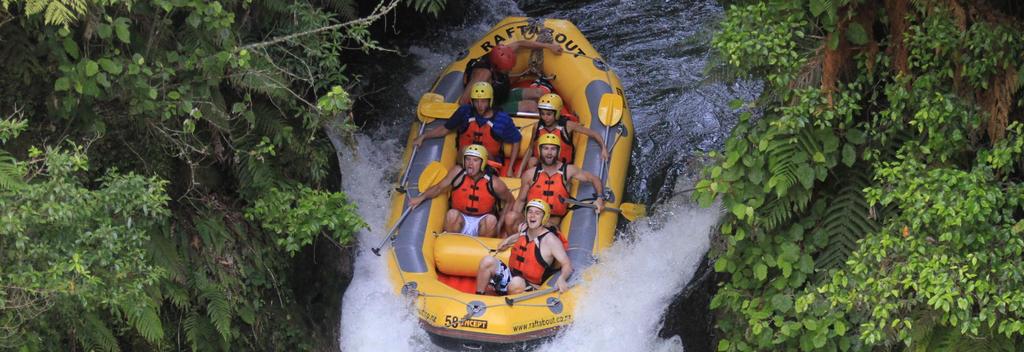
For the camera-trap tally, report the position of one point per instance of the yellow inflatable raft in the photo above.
(437, 269)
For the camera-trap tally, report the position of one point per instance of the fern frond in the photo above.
(346, 9)
(780, 210)
(218, 309)
(168, 256)
(94, 335)
(10, 173)
(57, 12)
(177, 294)
(199, 332)
(845, 221)
(262, 78)
(783, 163)
(146, 322)
(210, 226)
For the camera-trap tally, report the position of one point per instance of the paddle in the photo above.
(512, 301)
(426, 99)
(630, 211)
(609, 112)
(529, 147)
(431, 175)
(438, 110)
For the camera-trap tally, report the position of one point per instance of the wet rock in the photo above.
(689, 317)
(322, 273)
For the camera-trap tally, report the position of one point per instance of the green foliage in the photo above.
(302, 215)
(766, 46)
(55, 12)
(882, 213)
(104, 266)
(433, 7)
(118, 114)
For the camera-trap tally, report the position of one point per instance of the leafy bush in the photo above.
(875, 203)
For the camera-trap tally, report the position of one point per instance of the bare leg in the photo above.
(527, 105)
(488, 265)
(532, 93)
(516, 286)
(453, 221)
(488, 226)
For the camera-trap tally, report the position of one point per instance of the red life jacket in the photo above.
(475, 197)
(526, 260)
(551, 188)
(566, 151)
(480, 133)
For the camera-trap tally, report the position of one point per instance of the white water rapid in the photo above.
(621, 311)
(623, 308)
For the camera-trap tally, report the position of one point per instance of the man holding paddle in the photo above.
(549, 181)
(537, 252)
(475, 197)
(479, 123)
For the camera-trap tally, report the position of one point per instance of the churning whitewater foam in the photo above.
(622, 309)
(373, 317)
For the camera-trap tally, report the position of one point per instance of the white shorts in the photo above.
(471, 225)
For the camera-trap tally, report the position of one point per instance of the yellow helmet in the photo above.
(478, 151)
(549, 139)
(481, 90)
(550, 101)
(542, 205)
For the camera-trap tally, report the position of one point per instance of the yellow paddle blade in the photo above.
(431, 175)
(633, 211)
(426, 99)
(609, 111)
(428, 111)
(617, 111)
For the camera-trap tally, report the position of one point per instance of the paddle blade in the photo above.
(633, 211)
(426, 99)
(428, 111)
(609, 111)
(431, 175)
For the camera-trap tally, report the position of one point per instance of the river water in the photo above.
(659, 49)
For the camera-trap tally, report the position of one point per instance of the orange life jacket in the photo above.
(526, 260)
(473, 197)
(566, 151)
(476, 132)
(551, 188)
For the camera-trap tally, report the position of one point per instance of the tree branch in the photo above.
(381, 10)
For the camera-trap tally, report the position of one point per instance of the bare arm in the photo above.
(512, 161)
(576, 127)
(508, 242)
(558, 252)
(504, 195)
(434, 190)
(584, 176)
(433, 132)
(524, 187)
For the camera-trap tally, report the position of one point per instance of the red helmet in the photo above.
(503, 58)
